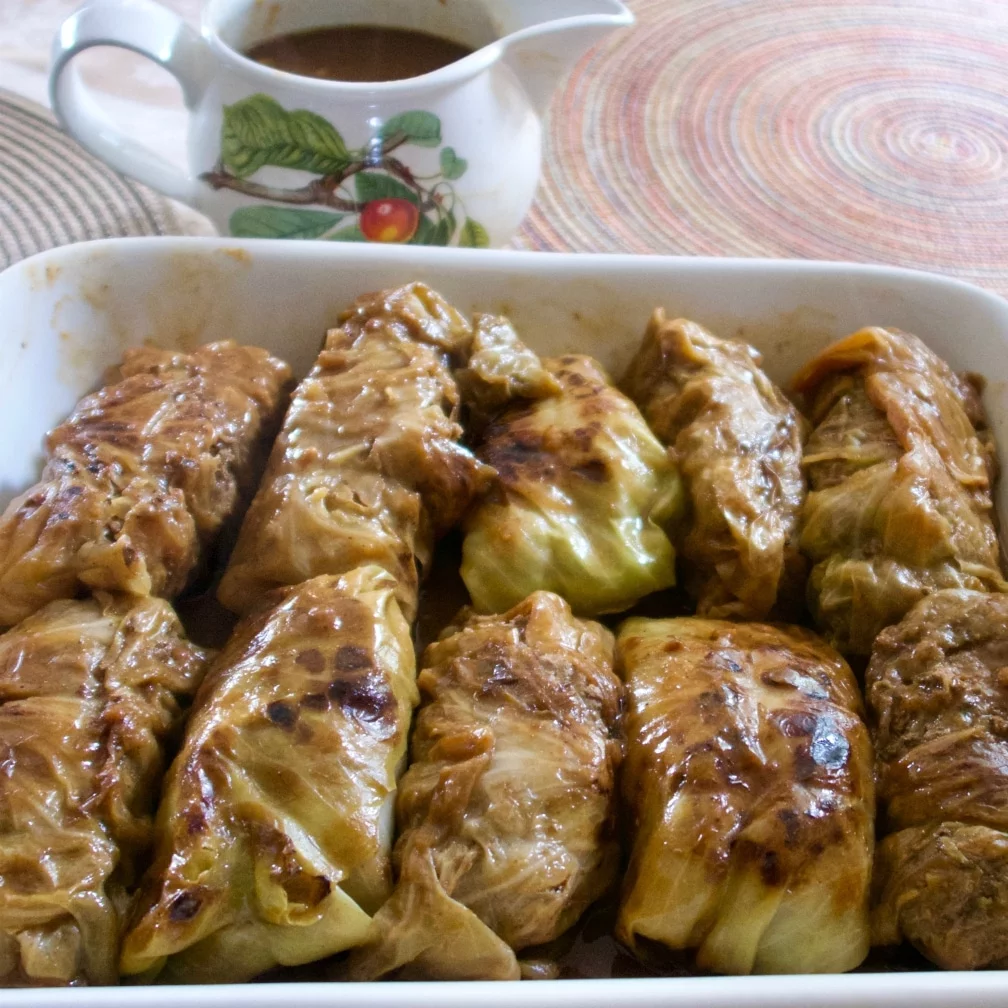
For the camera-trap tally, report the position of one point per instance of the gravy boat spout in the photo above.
(543, 39)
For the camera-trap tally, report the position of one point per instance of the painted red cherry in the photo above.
(389, 220)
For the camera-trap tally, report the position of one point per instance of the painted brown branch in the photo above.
(392, 142)
(320, 191)
(323, 191)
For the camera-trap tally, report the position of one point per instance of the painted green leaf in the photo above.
(443, 232)
(281, 222)
(420, 128)
(259, 131)
(425, 232)
(348, 234)
(373, 186)
(474, 235)
(452, 166)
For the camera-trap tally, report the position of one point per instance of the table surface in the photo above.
(873, 131)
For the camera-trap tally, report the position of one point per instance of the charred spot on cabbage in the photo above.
(585, 497)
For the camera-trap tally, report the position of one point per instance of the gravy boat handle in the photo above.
(148, 29)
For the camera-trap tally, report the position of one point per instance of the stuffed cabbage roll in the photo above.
(506, 814)
(140, 479)
(937, 691)
(499, 369)
(275, 825)
(738, 443)
(900, 467)
(749, 781)
(584, 497)
(89, 692)
(368, 467)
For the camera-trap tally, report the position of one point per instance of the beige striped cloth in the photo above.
(52, 192)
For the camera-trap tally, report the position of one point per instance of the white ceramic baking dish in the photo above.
(67, 315)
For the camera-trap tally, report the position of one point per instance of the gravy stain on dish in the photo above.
(790, 332)
(59, 306)
(36, 280)
(86, 352)
(191, 296)
(176, 314)
(74, 363)
(96, 295)
(605, 325)
(181, 306)
(239, 255)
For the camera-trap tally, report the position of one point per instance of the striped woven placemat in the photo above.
(873, 131)
(52, 192)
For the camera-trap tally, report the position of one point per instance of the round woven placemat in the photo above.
(52, 192)
(870, 131)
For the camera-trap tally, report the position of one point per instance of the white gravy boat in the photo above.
(451, 157)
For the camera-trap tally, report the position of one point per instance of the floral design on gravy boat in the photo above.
(449, 157)
(390, 202)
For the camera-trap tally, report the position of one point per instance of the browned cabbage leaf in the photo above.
(937, 691)
(88, 693)
(275, 825)
(506, 812)
(499, 369)
(738, 444)
(367, 468)
(749, 781)
(141, 477)
(900, 468)
(584, 496)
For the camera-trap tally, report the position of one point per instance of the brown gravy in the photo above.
(358, 53)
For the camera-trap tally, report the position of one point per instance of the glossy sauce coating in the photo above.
(506, 814)
(737, 441)
(937, 691)
(368, 467)
(900, 467)
(274, 830)
(749, 781)
(584, 497)
(90, 692)
(141, 477)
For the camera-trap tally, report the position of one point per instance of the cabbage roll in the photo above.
(140, 479)
(499, 369)
(900, 467)
(275, 825)
(89, 693)
(506, 814)
(368, 468)
(584, 498)
(738, 443)
(749, 782)
(937, 692)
